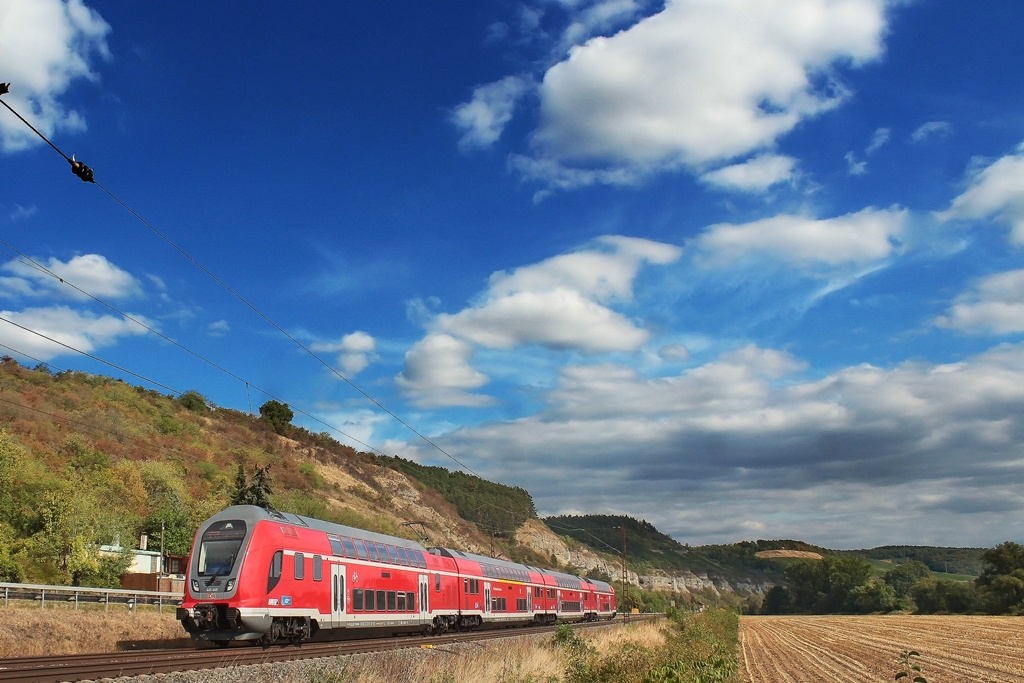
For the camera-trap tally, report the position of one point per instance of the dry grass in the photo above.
(522, 659)
(61, 630)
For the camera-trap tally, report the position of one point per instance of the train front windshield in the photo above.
(219, 547)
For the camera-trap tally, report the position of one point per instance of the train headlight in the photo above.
(230, 585)
(195, 585)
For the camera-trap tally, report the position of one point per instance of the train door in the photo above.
(424, 601)
(337, 594)
(487, 597)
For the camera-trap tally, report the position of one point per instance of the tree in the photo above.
(823, 586)
(1001, 584)
(257, 492)
(873, 596)
(903, 576)
(193, 401)
(278, 415)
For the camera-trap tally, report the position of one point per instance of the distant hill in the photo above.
(964, 561)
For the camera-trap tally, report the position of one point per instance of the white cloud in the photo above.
(755, 175)
(994, 305)
(437, 374)
(994, 191)
(563, 302)
(483, 119)
(80, 330)
(674, 352)
(878, 139)
(723, 445)
(92, 273)
(218, 328)
(355, 351)
(930, 130)
(856, 238)
(600, 17)
(45, 45)
(854, 165)
(701, 82)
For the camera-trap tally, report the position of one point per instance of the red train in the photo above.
(269, 576)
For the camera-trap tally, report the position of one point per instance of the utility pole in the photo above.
(625, 614)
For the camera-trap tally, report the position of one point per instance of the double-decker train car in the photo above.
(268, 576)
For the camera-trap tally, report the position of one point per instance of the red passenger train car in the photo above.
(268, 576)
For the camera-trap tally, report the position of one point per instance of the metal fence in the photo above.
(79, 595)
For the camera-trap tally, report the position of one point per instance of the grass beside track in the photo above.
(61, 630)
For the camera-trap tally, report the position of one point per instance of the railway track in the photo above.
(89, 667)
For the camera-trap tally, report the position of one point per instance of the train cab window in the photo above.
(318, 568)
(382, 604)
(392, 601)
(274, 575)
(401, 602)
(357, 599)
(371, 550)
(350, 547)
(360, 549)
(300, 566)
(219, 547)
(402, 557)
(382, 550)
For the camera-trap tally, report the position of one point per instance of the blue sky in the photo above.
(741, 268)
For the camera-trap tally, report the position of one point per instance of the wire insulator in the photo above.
(81, 170)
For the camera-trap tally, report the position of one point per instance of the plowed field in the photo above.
(846, 649)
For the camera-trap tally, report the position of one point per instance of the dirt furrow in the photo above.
(851, 649)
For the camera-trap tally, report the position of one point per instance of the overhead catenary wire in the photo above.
(86, 174)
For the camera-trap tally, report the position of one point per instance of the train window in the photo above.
(357, 599)
(336, 548)
(371, 549)
(474, 586)
(350, 547)
(401, 602)
(410, 602)
(360, 549)
(393, 553)
(392, 602)
(382, 605)
(402, 557)
(341, 592)
(219, 547)
(437, 583)
(318, 568)
(520, 604)
(300, 566)
(275, 570)
(551, 593)
(420, 560)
